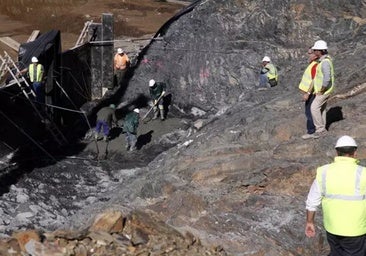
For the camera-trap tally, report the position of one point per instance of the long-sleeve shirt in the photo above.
(314, 197)
(107, 114)
(326, 72)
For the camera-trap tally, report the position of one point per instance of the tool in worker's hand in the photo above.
(156, 102)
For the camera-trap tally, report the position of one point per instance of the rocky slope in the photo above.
(237, 178)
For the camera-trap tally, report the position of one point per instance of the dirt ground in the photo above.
(18, 18)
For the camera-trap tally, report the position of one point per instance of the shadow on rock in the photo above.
(144, 139)
(334, 115)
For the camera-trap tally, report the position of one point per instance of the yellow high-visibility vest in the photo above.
(318, 80)
(343, 188)
(272, 71)
(306, 79)
(39, 73)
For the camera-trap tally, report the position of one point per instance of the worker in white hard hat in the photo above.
(341, 189)
(323, 86)
(268, 74)
(121, 62)
(157, 92)
(130, 125)
(36, 77)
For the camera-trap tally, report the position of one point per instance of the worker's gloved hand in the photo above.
(163, 93)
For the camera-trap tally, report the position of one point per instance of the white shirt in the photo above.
(314, 197)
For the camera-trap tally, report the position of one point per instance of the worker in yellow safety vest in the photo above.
(35, 73)
(268, 74)
(306, 87)
(323, 86)
(341, 189)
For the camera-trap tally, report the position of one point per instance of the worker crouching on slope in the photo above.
(341, 188)
(157, 92)
(130, 126)
(105, 116)
(268, 74)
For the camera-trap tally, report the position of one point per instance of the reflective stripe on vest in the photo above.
(306, 77)
(344, 212)
(35, 77)
(318, 79)
(355, 197)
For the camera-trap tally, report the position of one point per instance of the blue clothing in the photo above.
(131, 140)
(263, 81)
(309, 118)
(37, 88)
(104, 125)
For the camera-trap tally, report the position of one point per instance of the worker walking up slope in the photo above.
(341, 188)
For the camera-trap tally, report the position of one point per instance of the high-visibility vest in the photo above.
(307, 79)
(343, 188)
(35, 77)
(318, 80)
(272, 71)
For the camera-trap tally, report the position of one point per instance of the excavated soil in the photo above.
(19, 18)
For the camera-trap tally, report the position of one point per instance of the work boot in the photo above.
(105, 138)
(162, 114)
(96, 136)
(156, 113)
(310, 136)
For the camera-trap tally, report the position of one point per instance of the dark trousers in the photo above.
(120, 74)
(309, 119)
(100, 125)
(346, 246)
(38, 90)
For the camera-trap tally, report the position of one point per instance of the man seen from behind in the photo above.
(341, 188)
(105, 117)
(130, 126)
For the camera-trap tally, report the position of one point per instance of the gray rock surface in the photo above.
(239, 177)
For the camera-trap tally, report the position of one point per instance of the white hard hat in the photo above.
(136, 110)
(267, 59)
(320, 45)
(34, 59)
(345, 141)
(151, 82)
(119, 50)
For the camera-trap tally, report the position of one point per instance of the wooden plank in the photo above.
(10, 42)
(33, 36)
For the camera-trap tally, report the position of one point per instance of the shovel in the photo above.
(148, 112)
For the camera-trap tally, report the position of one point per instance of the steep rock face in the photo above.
(211, 56)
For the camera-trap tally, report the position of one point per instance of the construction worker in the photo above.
(268, 74)
(307, 86)
(341, 188)
(157, 92)
(323, 86)
(35, 73)
(105, 116)
(130, 126)
(121, 62)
